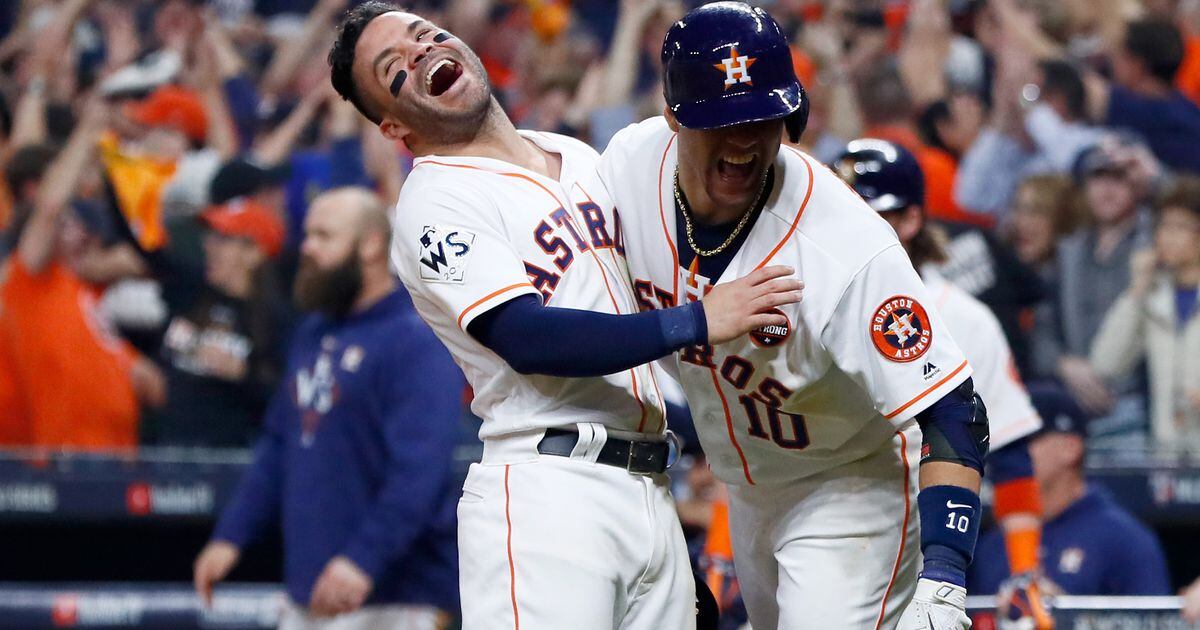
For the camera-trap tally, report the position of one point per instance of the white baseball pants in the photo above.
(840, 549)
(557, 543)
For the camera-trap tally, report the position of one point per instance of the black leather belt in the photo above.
(639, 458)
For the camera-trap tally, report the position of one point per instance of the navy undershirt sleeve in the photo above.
(536, 339)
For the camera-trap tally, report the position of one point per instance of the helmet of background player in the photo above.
(728, 63)
(885, 174)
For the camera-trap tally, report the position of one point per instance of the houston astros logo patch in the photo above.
(900, 329)
(773, 335)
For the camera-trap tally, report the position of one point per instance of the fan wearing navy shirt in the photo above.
(355, 462)
(1090, 544)
(1142, 97)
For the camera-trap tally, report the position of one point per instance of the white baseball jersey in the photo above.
(472, 233)
(861, 355)
(1011, 415)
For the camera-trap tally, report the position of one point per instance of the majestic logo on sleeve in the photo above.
(773, 335)
(736, 68)
(900, 329)
(444, 253)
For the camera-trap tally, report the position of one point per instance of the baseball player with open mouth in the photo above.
(824, 425)
(567, 522)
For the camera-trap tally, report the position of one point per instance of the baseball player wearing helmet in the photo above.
(812, 423)
(567, 522)
(890, 180)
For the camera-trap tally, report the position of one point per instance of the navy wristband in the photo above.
(684, 326)
(949, 528)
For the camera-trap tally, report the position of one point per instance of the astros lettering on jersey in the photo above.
(865, 351)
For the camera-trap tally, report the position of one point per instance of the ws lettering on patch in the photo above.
(445, 252)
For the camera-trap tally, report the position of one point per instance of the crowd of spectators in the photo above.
(159, 158)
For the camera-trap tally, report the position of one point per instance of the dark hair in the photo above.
(27, 165)
(927, 124)
(6, 120)
(1184, 193)
(1063, 79)
(341, 56)
(60, 122)
(1157, 44)
(928, 245)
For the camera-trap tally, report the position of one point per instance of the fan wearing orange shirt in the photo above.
(78, 384)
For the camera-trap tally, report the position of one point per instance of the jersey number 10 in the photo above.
(776, 420)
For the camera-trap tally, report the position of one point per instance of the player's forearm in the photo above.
(953, 449)
(949, 474)
(949, 509)
(1017, 504)
(37, 243)
(257, 501)
(596, 343)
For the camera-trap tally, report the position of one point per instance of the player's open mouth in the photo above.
(441, 76)
(737, 169)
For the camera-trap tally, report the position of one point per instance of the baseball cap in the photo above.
(172, 106)
(241, 177)
(1060, 413)
(1095, 160)
(247, 219)
(142, 76)
(1109, 155)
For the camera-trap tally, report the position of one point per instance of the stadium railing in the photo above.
(252, 607)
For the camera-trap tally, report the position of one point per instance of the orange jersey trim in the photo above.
(925, 393)
(663, 217)
(512, 568)
(729, 426)
(903, 532)
(489, 296)
(799, 212)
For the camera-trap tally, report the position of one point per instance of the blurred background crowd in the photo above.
(160, 157)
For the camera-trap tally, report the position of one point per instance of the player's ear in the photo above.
(392, 129)
(672, 122)
(1074, 451)
(910, 225)
(374, 246)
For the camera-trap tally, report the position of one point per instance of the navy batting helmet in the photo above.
(885, 174)
(728, 63)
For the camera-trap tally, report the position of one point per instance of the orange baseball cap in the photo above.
(247, 219)
(172, 106)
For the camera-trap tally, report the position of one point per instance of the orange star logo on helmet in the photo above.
(736, 68)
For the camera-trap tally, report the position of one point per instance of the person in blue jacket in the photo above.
(355, 461)
(1090, 544)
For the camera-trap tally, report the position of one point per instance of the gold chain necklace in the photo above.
(687, 219)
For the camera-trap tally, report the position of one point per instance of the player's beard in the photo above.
(449, 126)
(333, 291)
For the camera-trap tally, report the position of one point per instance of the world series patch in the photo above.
(444, 253)
(900, 329)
